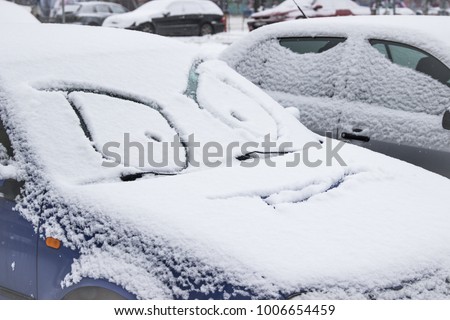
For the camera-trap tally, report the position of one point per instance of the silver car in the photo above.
(378, 82)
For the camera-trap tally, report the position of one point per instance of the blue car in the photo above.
(134, 167)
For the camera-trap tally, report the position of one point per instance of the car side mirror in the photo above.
(446, 120)
(317, 7)
(166, 14)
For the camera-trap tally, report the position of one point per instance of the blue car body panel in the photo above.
(18, 252)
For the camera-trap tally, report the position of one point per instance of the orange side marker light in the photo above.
(53, 243)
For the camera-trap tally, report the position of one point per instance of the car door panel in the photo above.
(395, 109)
(417, 138)
(18, 247)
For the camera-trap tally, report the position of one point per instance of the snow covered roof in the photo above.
(427, 33)
(267, 231)
(13, 13)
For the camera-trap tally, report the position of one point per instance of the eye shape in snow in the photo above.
(129, 132)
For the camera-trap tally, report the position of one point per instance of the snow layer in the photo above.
(428, 33)
(260, 232)
(11, 13)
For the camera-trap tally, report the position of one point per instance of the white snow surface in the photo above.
(11, 13)
(354, 231)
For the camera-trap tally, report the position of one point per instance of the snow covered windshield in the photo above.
(139, 118)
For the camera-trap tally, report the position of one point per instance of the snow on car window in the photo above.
(137, 130)
(235, 108)
(276, 68)
(375, 79)
(248, 115)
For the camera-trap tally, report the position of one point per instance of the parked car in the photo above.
(172, 17)
(288, 10)
(386, 8)
(84, 215)
(89, 13)
(11, 13)
(378, 82)
(437, 11)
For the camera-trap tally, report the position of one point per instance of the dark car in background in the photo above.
(172, 17)
(89, 13)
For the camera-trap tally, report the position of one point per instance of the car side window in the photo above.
(413, 58)
(117, 9)
(101, 8)
(310, 44)
(87, 9)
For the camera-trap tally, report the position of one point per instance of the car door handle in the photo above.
(351, 136)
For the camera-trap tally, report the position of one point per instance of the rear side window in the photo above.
(115, 8)
(87, 9)
(413, 58)
(310, 44)
(102, 8)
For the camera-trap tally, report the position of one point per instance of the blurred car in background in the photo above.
(288, 10)
(172, 17)
(89, 13)
(386, 8)
(437, 11)
(11, 13)
(380, 82)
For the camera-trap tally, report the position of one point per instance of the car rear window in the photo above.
(302, 45)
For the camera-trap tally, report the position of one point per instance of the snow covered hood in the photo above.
(427, 33)
(261, 232)
(13, 13)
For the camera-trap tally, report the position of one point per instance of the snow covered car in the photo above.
(11, 13)
(91, 13)
(378, 82)
(288, 10)
(82, 218)
(172, 17)
(386, 8)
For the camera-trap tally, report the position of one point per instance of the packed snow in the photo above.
(269, 231)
